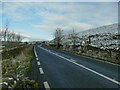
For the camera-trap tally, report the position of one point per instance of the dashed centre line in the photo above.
(37, 58)
(38, 63)
(41, 71)
(46, 85)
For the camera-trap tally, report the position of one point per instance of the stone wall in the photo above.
(105, 55)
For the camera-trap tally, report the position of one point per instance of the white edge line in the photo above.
(73, 60)
(41, 71)
(106, 77)
(95, 72)
(91, 58)
(46, 85)
(99, 60)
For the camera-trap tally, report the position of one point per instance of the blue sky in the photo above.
(40, 19)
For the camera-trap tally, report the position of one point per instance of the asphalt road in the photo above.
(58, 69)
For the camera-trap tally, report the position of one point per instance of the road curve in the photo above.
(58, 69)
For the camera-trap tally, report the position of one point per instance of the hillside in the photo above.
(112, 29)
(104, 37)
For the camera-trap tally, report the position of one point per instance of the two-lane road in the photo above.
(58, 69)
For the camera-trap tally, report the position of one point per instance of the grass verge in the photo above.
(15, 70)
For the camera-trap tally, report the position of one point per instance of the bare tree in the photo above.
(18, 37)
(5, 35)
(13, 36)
(73, 36)
(6, 29)
(58, 34)
(9, 36)
(1, 34)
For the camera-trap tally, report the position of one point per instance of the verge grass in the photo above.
(15, 70)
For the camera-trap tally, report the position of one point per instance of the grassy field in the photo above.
(16, 64)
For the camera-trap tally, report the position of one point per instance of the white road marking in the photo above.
(73, 60)
(47, 87)
(41, 71)
(38, 63)
(90, 58)
(35, 52)
(37, 59)
(101, 60)
(106, 77)
(93, 71)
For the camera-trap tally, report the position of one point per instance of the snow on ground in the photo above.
(103, 37)
(113, 29)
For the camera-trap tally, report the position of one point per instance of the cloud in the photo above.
(53, 21)
(81, 16)
(29, 36)
(17, 11)
(65, 11)
(46, 17)
(60, 1)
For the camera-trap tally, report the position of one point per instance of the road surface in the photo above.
(58, 69)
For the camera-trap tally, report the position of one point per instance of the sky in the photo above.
(39, 20)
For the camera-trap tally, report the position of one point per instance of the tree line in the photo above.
(9, 36)
(59, 36)
(73, 40)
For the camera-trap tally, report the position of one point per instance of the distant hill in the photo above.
(112, 29)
